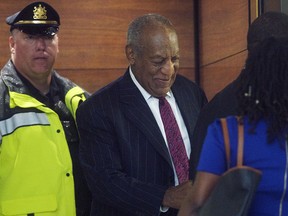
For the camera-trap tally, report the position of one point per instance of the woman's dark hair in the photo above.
(269, 24)
(263, 86)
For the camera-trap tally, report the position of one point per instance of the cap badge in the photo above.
(39, 12)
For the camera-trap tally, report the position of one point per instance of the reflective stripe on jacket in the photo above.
(35, 165)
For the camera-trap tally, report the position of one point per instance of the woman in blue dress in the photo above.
(263, 104)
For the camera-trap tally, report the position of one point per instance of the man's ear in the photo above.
(130, 55)
(11, 44)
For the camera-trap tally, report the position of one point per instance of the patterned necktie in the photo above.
(174, 139)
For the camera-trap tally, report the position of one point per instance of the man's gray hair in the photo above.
(137, 26)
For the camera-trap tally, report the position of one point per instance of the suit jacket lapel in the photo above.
(137, 111)
(184, 107)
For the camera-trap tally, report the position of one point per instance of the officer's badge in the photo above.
(39, 12)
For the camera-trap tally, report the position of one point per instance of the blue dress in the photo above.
(271, 198)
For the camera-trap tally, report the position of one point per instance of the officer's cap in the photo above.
(38, 18)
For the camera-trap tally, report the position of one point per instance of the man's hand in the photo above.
(174, 196)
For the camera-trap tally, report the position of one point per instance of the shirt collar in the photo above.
(34, 92)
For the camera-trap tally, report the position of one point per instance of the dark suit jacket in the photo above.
(123, 153)
(223, 104)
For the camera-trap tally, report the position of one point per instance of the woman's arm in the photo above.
(198, 194)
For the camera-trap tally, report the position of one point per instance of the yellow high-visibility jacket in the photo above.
(36, 176)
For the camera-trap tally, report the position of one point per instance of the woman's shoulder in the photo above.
(230, 120)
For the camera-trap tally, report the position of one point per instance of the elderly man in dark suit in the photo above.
(132, 162)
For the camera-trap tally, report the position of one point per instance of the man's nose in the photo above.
(40, 43)
(167, 67)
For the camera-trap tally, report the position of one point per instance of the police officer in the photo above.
(39, 168)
